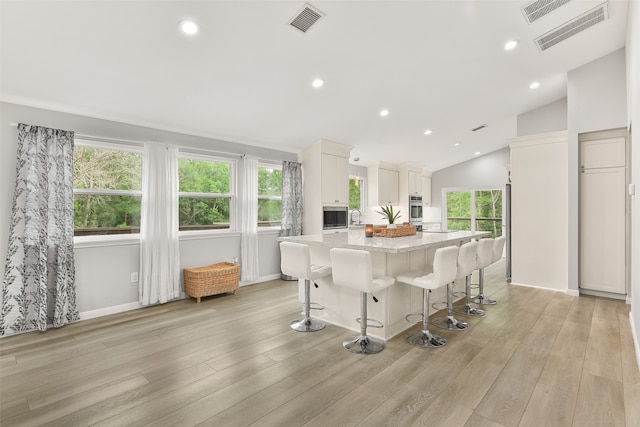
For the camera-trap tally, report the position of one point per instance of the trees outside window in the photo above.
(356, 193)
(107, 190)
(475, 210)
(205, 193)
(269, 195)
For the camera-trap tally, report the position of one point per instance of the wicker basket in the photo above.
(400, 231)
(211, 280)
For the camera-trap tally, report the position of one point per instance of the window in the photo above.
(107, 190)
(269, 195)
(475, 210)
(356, 193)
(205, 193)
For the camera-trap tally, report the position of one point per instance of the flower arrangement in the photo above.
(388, 214)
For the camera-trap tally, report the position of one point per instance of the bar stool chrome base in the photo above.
(468, 310)
(450, 323)
(364, 344)
(307, 325)
(481, 299)
(426, 339)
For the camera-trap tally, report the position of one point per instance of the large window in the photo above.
(269, 195)
(475, 210)
(205, 193)
(107, 189)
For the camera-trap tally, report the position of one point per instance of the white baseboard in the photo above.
(540, 287)
(110, 310)
(636, 343)
(573, 292)
(261, 279)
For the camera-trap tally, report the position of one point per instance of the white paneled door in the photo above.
(603, 225)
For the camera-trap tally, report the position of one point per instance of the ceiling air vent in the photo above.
(476, 129)
(539, 8)
(304, 19)
(573, 27)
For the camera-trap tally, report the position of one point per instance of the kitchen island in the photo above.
(390, 256)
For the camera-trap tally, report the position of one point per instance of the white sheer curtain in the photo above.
(249, 219)
(159, 251)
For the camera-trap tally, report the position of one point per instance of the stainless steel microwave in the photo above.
(335, 217)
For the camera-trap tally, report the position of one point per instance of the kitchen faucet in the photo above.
(359, 216)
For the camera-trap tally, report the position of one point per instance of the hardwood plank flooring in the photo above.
(537, 358)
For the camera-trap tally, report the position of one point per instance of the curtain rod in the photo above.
(185, 149)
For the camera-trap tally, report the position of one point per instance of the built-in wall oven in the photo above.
(415, 212)
(335, 217)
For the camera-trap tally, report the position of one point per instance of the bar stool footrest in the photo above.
(371, 323)
(315, 306)
(417, 317)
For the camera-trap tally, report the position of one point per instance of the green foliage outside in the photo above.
(488, 211)
(102, 169)
(355, 200)
(204, 177)
(269, 184)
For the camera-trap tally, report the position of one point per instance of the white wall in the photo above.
(633, 106)
(548, 118)
(103, 272)
(596, 100)
(483, 171)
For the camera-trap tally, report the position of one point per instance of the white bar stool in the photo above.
(352, 268)
(484, 259)
(443, 272)
(466, 265)
(466, 255)
(295, 261)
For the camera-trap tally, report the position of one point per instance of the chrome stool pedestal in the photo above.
(308, 324)
(450, 323)
(425, 338)
(364, 344)
(467, 309)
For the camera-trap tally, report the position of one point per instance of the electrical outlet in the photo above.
(235, 259)
(134, 277)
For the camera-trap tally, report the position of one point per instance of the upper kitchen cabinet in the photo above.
(335, 179)
(383, 179)
(426, 190)
(325, 170)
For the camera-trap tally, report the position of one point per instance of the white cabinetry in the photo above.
(426, 191)
(415, 183)
(325, 170)
(335, 180)
(383, 184)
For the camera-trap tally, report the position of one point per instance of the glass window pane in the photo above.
(203, 213)
(355, 194)
(269, 182)
(489, 211)
(459, 210)
(104, 169)
(102, 214)
(204, 176)
(269, 213)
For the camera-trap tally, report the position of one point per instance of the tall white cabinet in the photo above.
(603, 221)
(539, 210)
(325, 173)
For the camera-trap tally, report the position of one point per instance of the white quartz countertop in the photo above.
(355, 239)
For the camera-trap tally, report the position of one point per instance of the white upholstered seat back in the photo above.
(295, 260)
(498, 248)
(467, 259)
(352, 268)
(485, 253)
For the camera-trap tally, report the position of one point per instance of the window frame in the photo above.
(362, 185)
(473, 218)
(270, 165)
(113, 146)
(233, 166)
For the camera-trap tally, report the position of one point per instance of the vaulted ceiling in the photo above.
(246, 76)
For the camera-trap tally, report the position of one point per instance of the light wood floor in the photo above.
(539, 358)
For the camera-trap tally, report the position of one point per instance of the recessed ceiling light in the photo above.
(477, 153)
(317, 83)
(188, 27)
(510, 44)
(456, 144)
(534, 85)
(428, 132)
(384, 112)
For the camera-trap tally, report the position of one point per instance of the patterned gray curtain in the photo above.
(39, 275)
(291, 214)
